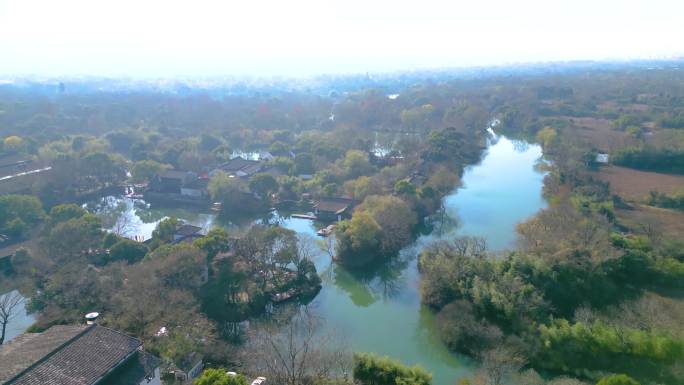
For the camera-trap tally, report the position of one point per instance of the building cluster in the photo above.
(189, 186)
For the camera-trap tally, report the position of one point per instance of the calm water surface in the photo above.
(379, 311)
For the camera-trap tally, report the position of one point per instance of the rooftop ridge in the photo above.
(52, 353)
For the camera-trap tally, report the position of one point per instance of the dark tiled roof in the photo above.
(333, 204)
(135, 371)
(237, 164)
(82, 360)
(199, 183)
(173, 174)
(187, 230)
(28, 348)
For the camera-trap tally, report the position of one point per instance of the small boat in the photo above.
(326, 231)
(284, 296)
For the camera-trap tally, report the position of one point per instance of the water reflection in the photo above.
(137, 218)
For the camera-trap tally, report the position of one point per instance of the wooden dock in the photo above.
(304, 216)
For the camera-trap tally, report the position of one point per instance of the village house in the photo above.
(602, 158)
(187, 233)
(178, 185)
(171, 181)
(334, 209)
(239, 167)
(188, 369)
(77, 355)
(196, 188)
(266, 156)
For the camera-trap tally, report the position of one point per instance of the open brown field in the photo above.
(634, 185)
(669, 223)
(600, 133)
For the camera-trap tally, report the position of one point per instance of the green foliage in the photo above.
(28, 209)
(219, 377)
(279, 148)
(13, 144)
(404, 187)
(144, 170)
(15, 228)
(395, 218)
(598, 346)
(165, 230)
(216, 241)
(357, 239)
(101, 167)
(284, 164)
(633, 242)
(618, 379)
(627, 120)
(356, 163)
(674, 121)
(370, 369)
(209, 142)
(304, 163)
(74, 237)
(110, 239)
(651, 159)
(329, 190)
(673, 201)
(263, 184)
(64, 212)
(362, 187)
(233, 195)
(127, 250)
(451, 144)
(547, 137)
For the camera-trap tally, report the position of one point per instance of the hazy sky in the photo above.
(301, 37)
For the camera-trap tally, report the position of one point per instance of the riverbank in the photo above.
(379, 310)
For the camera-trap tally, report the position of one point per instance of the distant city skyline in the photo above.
(157, 38)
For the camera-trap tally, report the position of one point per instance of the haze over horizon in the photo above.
(306, 37)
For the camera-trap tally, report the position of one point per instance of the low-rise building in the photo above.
(602, 158)
(77, 355)
(188, 369)
(196, 188)
(171, 181)
(187, 233)
(334, 209)
(239, 167)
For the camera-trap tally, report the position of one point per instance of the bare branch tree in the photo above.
(499, 364)
(296, 353)
(10, 304)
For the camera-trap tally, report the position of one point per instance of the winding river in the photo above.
(379, 311)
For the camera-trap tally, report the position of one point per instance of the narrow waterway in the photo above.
(380, 311)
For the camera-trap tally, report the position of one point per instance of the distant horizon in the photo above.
(305, 38)
(529, 65)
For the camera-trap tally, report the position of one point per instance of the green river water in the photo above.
(380, 311)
